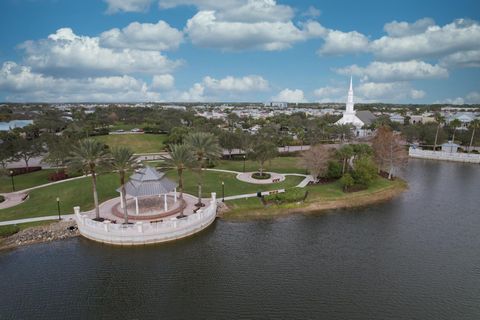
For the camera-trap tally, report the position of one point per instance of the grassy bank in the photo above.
(279, 164)
(138, 143)
(6, 231)
(24, 181)
(320, 197)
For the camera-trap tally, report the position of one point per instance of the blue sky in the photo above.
(239, 50)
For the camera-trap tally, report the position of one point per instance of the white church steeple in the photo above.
(349, 107)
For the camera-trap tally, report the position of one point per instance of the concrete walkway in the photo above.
(20, 221)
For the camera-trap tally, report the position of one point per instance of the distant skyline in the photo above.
(240, 50)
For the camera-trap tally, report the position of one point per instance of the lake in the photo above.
(415, 257)
(5, 126)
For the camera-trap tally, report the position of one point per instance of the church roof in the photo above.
(148, 182)
(366, 116)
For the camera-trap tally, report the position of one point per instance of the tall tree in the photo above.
(389, 152)
(58, 150)
(206, 148)
(455, 124)
(123, 160)
(26, 149)
(262, 151)
(180, 158)
(473, 125)
(89, 156)
(316, 159)
(440, 120)
(344, 154)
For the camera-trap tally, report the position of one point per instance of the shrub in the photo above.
(334, 170)
(347, 181)
(290, 195)
(57, 176)
(365, 171)
(259, 176)
(6, 231)
(2, 198)
(19, 171)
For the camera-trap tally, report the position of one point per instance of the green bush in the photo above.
(290, 195)
(334, 170)
(6, 231)
(2, 198)
(365, 171)
(347, 181)
(259, 176)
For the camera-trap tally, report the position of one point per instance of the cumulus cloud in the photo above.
(458, 36)
(312, 12)
(205, 30)
(163, 82)
(471, 98)
(390, 91)
(328, 92)
(143, 36)
(395, 71)
(195, 94)
(20, 83)
(338, 42)
(469, 58)
(401, 29)
(232, 84)
(127, 5)
(66, 53)
(290, 95)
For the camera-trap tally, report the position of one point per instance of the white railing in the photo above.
(441, 155)
(146, 232)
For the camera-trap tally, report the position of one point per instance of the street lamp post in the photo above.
(244, 158)
(223, 191)
(58, 208)
(13, 183)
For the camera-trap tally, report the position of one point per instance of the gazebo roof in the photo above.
(148, 182)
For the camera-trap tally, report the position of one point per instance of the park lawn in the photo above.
(42, 201)
(212, 182)
(322, 193)
(138, 143)
(278, 164)
(25, 181)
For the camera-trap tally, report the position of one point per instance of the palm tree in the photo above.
(123, 160)
(345, 153)
(455, 124)
(440, 120)
(205, 147)
(474, 125)
(180, 158)
(88, 156)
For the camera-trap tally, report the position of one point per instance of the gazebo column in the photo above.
(121, 200)
(136, 205)
(175, 195)
(165, 205)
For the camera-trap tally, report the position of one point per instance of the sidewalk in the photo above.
(19, 221)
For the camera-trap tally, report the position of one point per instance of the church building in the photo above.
(359, 120)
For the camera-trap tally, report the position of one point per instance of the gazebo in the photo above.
(148, 182)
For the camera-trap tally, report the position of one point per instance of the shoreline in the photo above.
(60, 230)
(315, 206)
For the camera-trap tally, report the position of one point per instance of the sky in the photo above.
(407, 51)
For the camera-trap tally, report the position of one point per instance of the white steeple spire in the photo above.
(349, 107)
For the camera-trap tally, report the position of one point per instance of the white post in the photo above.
(165, 205)
(136, 205)
(214, 196)
(121, 200)
(76, 210)
(175, 195)
(106, 224)
(139, 226)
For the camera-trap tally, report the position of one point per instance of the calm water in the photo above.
(5, 126)
(416, 257)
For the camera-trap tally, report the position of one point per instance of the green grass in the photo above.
(42, 202)
(9, 230)
(279, 164)
(212, 182)
(24, 181)
(139, 143)
(253, 207)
